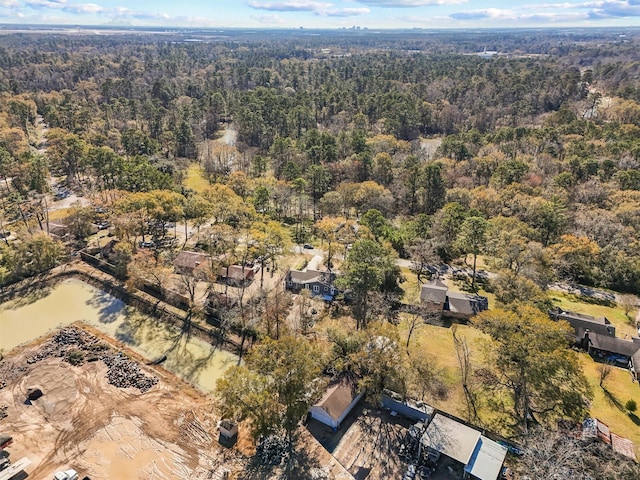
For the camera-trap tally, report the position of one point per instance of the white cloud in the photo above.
(343, 12)
(269, 19)
(409, 3)
(290, 6)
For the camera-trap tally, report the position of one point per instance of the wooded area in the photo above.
(379, 147)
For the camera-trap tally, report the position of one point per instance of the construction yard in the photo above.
(108, 416)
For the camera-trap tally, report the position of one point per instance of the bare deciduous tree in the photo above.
(464, 361)
(604, 370)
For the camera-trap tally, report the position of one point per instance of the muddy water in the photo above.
(191, 359)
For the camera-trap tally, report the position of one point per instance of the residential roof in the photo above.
(310, 276)
(486, 460)
(635, 360)
(623, 446)
(190, 260)
(600, 325)
(451, 438)
(236, 272)
(614, 344)
(434, 291)
(337, 398)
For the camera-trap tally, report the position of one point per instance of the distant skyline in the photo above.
(372, 14)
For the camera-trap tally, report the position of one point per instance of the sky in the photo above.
(372, 14)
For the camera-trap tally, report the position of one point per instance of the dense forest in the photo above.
(417, 146)
(541, 142)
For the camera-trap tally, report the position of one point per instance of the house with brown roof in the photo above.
(437, 296)
(336, 403)
(236, 275)
(190, 263)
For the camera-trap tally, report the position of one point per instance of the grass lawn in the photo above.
(607, 405)
(58, 214)
(608, 402)
(615, 314)
(437, 343)
(194, 179)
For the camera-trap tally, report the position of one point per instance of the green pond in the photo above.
(190, 358)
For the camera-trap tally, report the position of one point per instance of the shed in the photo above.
(451, 438)
(486, 460)
(414, 410)
(336, 403)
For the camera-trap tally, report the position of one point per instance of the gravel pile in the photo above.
(124, 373)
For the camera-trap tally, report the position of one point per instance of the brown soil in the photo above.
(103, 431)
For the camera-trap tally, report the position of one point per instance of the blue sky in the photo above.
(374, 14)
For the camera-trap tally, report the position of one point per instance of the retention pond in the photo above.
(190, 358)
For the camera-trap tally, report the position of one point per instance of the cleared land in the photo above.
(103, 431)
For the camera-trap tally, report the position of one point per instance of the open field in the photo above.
(195, 179)
(608, 402)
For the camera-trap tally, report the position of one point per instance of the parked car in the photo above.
(307, 246)
(146, 244)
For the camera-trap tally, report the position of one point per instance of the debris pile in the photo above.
(65, 342)
(124, 373)
(9, 371)
(3, 411)
(74, 345)
(271, 450)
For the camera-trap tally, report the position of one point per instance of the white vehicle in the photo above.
(70, 474)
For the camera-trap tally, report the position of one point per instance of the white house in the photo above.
(335, 405)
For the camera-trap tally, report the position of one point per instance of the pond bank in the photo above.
(61, 298)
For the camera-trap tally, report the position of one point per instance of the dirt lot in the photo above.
(102, 431)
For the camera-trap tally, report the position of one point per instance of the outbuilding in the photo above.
(336, 403)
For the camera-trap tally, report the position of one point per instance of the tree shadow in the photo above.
(36, 290)
(634, 418)
(109, 308)
(612, 400)
(300, 466)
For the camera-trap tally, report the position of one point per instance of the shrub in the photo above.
(631, 405)
(75, 357)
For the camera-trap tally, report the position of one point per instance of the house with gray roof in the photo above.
(599, 325)
(436, 295)
(319, 283)
(480, 457)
